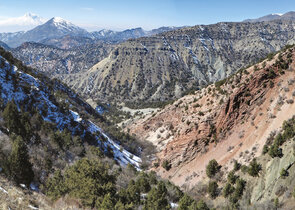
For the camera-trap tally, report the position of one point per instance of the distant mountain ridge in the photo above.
(53, 60)
(166, 66)
(118, 36)
(56, 29)
(270, 17)
(4, 46)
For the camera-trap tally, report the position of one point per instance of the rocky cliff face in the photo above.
(163, 67)
(53, 61)
(221, 121)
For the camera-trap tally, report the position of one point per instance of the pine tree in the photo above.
(55, 186)
(89, 180)
(133, 193)
(227, 190)
(254, 168)
(231, 177)
(201, 205)
(143, 183)
(20, 166)
(107, 203)
(212, 189)
(156, 198)
(12, 118)
(212, 168)
(185, 202)
(119, 206)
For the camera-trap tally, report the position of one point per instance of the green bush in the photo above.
(265, 149)
(212, 168)
(185, 202)
(275, 151)
(201, 205)
(237, 165)
(213, 189)
(254, 168)
(231, 177)
(166, 165)
(228, 190)
(88, 180)
(284, 173)
(237, 194)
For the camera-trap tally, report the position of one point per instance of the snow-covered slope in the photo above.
(64, 25)
(27, 87)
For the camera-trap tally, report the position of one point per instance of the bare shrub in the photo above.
(286, 89)
(241, 134)
(280, 100)
(271, 116)
(291, 81)
(230, 148)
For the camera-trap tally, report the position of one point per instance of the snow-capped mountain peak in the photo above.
(279, 14)
(61, 21)
(64, 25)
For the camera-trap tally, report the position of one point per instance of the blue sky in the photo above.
(122, 14)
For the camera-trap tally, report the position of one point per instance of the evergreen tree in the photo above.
(89, 180)
(231, 177)
(119, 206)
(227, 190)
(254, 168)
(237, 165)
(55, 187)
(143, 183)
(201, 205)
(133, 193)
(20, 166)
(212, 168)
(25, 128)
(156, 198)
(237, 194)
(185, 202)
(12, 118)
(107, 203)
(212, 189)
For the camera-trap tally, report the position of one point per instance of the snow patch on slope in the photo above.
(54, 115)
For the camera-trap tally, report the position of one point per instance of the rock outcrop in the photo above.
(229, 120)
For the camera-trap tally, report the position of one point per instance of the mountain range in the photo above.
(170, 63)
(286, 16)
(55, 30)
(166, 66)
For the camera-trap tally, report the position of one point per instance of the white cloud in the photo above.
(25, 22)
